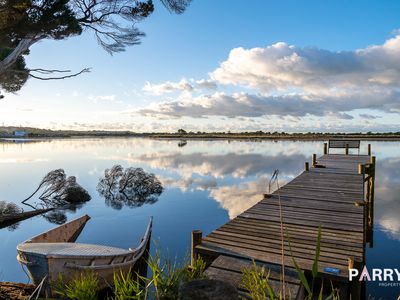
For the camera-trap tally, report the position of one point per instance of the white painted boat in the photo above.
(54, 252)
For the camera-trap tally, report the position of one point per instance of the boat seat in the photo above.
(71, 249)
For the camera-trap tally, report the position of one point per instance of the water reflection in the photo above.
(132, 187)
(57, 190)
(182, 143)
(60, 215)
(387, 196)
(200, 171)
(218, 166)
(9, 208)
(56, 217)
(204, 184)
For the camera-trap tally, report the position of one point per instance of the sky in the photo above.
(294, 66)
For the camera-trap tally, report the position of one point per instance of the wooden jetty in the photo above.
(335, 194)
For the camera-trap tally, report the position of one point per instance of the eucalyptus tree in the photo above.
(26, 22)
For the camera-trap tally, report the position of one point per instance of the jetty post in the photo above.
(370, 204)
(197, 235)
(314, 159)
(356, 287)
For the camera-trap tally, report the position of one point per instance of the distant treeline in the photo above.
(30, 132)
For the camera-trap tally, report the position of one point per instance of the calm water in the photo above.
(206, 183)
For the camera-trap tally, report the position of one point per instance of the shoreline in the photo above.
(15, 290)
(213, 137)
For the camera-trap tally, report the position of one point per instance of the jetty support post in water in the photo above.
(368, 172)
(197, 235)
(357, 288)
(370, 195)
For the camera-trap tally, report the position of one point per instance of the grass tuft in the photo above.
(256, 281)
(83, 286)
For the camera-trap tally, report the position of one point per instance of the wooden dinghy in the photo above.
(54, 253)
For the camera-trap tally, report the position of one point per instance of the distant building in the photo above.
(20, 133)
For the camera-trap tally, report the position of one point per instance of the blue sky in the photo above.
(322, 76)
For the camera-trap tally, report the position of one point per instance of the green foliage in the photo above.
(300, 272)
(256, 281)
(83, 286)
(167, 276)
(34, 20)
(196, 271)
(16, 77)
(128, 287)
(164, 282)
(317, 252)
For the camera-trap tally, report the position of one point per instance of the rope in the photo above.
(23, 269)
(38, 289)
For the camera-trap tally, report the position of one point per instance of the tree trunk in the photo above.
(39, 187)
(21, 48)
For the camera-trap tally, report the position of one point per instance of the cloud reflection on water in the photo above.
(233, 173)
(235, 180)
(387, 196)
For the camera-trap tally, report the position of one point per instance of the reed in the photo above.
(163, 283)
(167, 276)
(128, 287)
(83, 286)
(256, 281)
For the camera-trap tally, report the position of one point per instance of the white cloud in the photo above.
(103, 98)
(251, 105)
(369, 116)
(281, 67)
(291, 81)
(167, 87)
(387, 190)
(182, 86)
(208, 84)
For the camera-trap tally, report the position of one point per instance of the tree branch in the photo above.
(9, 60)
(46, 71)
(86, 70)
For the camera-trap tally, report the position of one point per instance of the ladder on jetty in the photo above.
(334, 193)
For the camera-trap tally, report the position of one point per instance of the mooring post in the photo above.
(314, 160)
(373, 160)
(325, 148)
(306, 166)
(347, 149)
(196, 240)
(361, 169)
(350, 262)
(369, 149)
(355, 285)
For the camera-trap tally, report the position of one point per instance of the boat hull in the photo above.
(52, 262)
